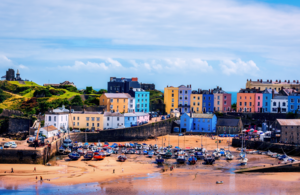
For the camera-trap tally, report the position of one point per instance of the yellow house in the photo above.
(117, 102)
(86, 120)
(196, 102)
(171, 99)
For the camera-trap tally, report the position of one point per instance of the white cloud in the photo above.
(5, 62)
(110, 65)
(240, 67)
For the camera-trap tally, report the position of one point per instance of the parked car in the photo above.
(180, 134)
(13, 145)
(7, 144)
(76, 131)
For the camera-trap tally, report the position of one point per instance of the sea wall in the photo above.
(274, 147)
(143, 132)
(18, 156)
(19, 124)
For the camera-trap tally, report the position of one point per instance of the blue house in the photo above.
(184, 95)
(200, 123)
(208, 101)
(294, 102)
(142, 99)
(267, 96)
(130, 119)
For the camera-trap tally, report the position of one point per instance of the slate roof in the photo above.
(196, 115)
(117, 95)
(49, 128)
(113, 114)
(289, 122)
(228, 122)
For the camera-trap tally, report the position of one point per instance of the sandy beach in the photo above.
(63, 172)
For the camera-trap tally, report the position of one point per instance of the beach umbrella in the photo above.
(252, 130)
(248, 131)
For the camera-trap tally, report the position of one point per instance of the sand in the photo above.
(64, 172)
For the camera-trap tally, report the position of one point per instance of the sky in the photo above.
(166, 42)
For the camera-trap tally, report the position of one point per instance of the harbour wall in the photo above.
(274, 147)
(143, 132)
(289, 167)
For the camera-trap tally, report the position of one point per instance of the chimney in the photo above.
(288, 81)
(294, 81)
(257, 80)
(268, 80)
(297, 81)
(272, 93)
(250, 80)
(271, 81)
(276, 81)
(247, 80)
(167, 86)
(279, 81)
(261, 80)
(209, 91)
(217, 87)
(191, 86)
(220, 88)
(281, 87)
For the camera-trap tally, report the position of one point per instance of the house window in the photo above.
(185, 97)
(87, 124)
(180, 97)
(292, 100)
(78, 118)
(87, 118)
(203, 120)
(54, 118)
(209, 98)
(77, 123)
(194, 103)
(49, 118)
(93, 118)
(245, 103)
(172, 95)
(55, 124)
(180, 92)
(258, 97)
(108, 118)
(93, 124)
(111, 100)
(107, 124)
(98, 118)
(225, 102)
(218, 97)
(185, 124)
(198, 98)
(266, 103)
(172, 105)
(61, 118)
(98, 125)
(73, 123)
(298, 100)
(240, 103)
(204, 98)
(274, 103)
(198, 104)
(172, 99)
(266, 97)
(250, 103)
(225, 97)
(218, 102)
(198, 120)
(208, 120)
(194, 98)
(283, 103)
(184, 119)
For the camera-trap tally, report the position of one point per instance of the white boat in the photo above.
(217, 150)
(274, 155)
(217, 155)
(229, 156)
(68, 150)
(244, 161)
(269, 153)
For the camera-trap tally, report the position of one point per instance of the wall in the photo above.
(127, 134)
(11, 112)
(19, 124)
(18, 156)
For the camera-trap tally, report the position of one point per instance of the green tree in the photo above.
(92, 101)
(233, 106)
(101, 91)
(89, 90)
(77, 101)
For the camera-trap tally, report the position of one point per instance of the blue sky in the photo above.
(170, 42)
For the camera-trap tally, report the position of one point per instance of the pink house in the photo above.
(142, 117)
(258, 102)
(226, 102)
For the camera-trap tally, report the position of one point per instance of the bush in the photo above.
(77, 101)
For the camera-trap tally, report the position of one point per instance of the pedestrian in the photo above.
(36, 177)
(114, 171)
(122, 170)
(94, 169)
(41, 178)
(12, 170)
(34, 170)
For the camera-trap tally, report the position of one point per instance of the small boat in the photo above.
(145, 152)
(122, 158)
(217, 150)
(269, 153)
(209, 160)
(274, 155)
(61, 150)
(138, 147)
(159, 159)
(199, 155)
(89, 155)
(222, 152)
(99, 155)
(192, 160)
(80, 151)
(244, 161)
(181, 158)
(150, 154)
(249, 151)
(242, 154)
(79, 145)
(168, 154)
(74, 156)
(219, 182)
(217, 155)
(68, 150)
(68, 143)
(229, 156)
(85, 145)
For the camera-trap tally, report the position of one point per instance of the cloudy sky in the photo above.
(206, 43)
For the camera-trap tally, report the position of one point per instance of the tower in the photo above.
(18, 76)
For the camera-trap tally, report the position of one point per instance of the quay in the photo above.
(288, 167)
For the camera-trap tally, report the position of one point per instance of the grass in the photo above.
(66, 95)
(29, 94)
(12, 103)
(27, 84)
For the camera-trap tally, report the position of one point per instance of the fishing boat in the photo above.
(199, 155)
(79, 145)
(181, 158)
(168, 154)
(145, 152)
(85, 145)
(122, 158)
(229, 156)
(61, 150)
(159, 159)
(269, 153)
(80, 151)
(99, 155)
(74, 156)
(192, 160)
(138, 147)
(222, 152)
(217, 155)
(150, 154)
(89, 155)
(68, 143)
(209, 160)
(68, 150)
(244, 161)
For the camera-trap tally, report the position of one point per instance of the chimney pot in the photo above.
(261, 80)
(268, 80)
(250, 80)
(279, 81)
(288, 81)
(257, 80)
(276, 81)
(247, 80)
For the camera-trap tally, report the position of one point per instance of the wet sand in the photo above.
(142, 176)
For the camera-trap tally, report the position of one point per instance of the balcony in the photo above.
(183, 106)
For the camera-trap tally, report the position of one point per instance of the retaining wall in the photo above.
(18, 156)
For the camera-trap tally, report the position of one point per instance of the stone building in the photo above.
(229, 126)
(148, 86)
(276, 85)
(288, 130)
(10, 75)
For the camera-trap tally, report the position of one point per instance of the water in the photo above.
(233, 97)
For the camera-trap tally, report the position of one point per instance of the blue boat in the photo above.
(150, 154)
(199, 155)
(61, 150)
(89, 155)
(86, 145)
(181, 158)
(222, 152)
(145, 152)
(192, 160)
(68, 143)
(74, 156)
(159, 159)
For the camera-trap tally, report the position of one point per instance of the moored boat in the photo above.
(89, 155)
(61, 150)
(122, 158)
(229, 156)
(209, 160)
(244, 161)
(159, 159)
(181, 158)
(99, 155)
(192, 160)
(74, 156)
(68, 150)
(150, 154)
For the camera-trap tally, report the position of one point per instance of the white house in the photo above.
(131, 104)
(279, 104)
(59, 120)
(60, 109)
(48, 131)
(113, 120)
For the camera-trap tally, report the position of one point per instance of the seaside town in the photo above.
(132, 124)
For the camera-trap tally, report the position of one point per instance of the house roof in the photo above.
(228, 122)
(136, 114)
(117, 95)
(196, 115)
(3, 77)
(280, 97)
(49, 128)
(289, 122)
(113, 114)
(137, 89)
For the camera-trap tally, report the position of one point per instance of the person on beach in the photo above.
(41, 178)
(114, 171)
(12, 170)
(34, 170)
(122, 170)
(94, 169)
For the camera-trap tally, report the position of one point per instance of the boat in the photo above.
(209, 160)
(168, 154)
(122, 158)
(229, 156)
(244, 161)
(68, 143)
(269, 153)
(89, 155)
(74, 156)
(192, 160)
(199, 155)
(68, 150)
(80, 151)
(274, 155)
(99, 155)
(159, 159)
(61, 150)
(138, 147)
(222, 152)
(181, 158)
(150, 154)
(145, 152)
(85, 145)
(249, 151)
(217, 155)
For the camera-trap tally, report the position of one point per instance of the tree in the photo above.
(233, 106)
(92, 101)
(89, 90)
(77, 101)
(101, 91)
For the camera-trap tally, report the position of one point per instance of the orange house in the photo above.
(117, 102)
(246, 100)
